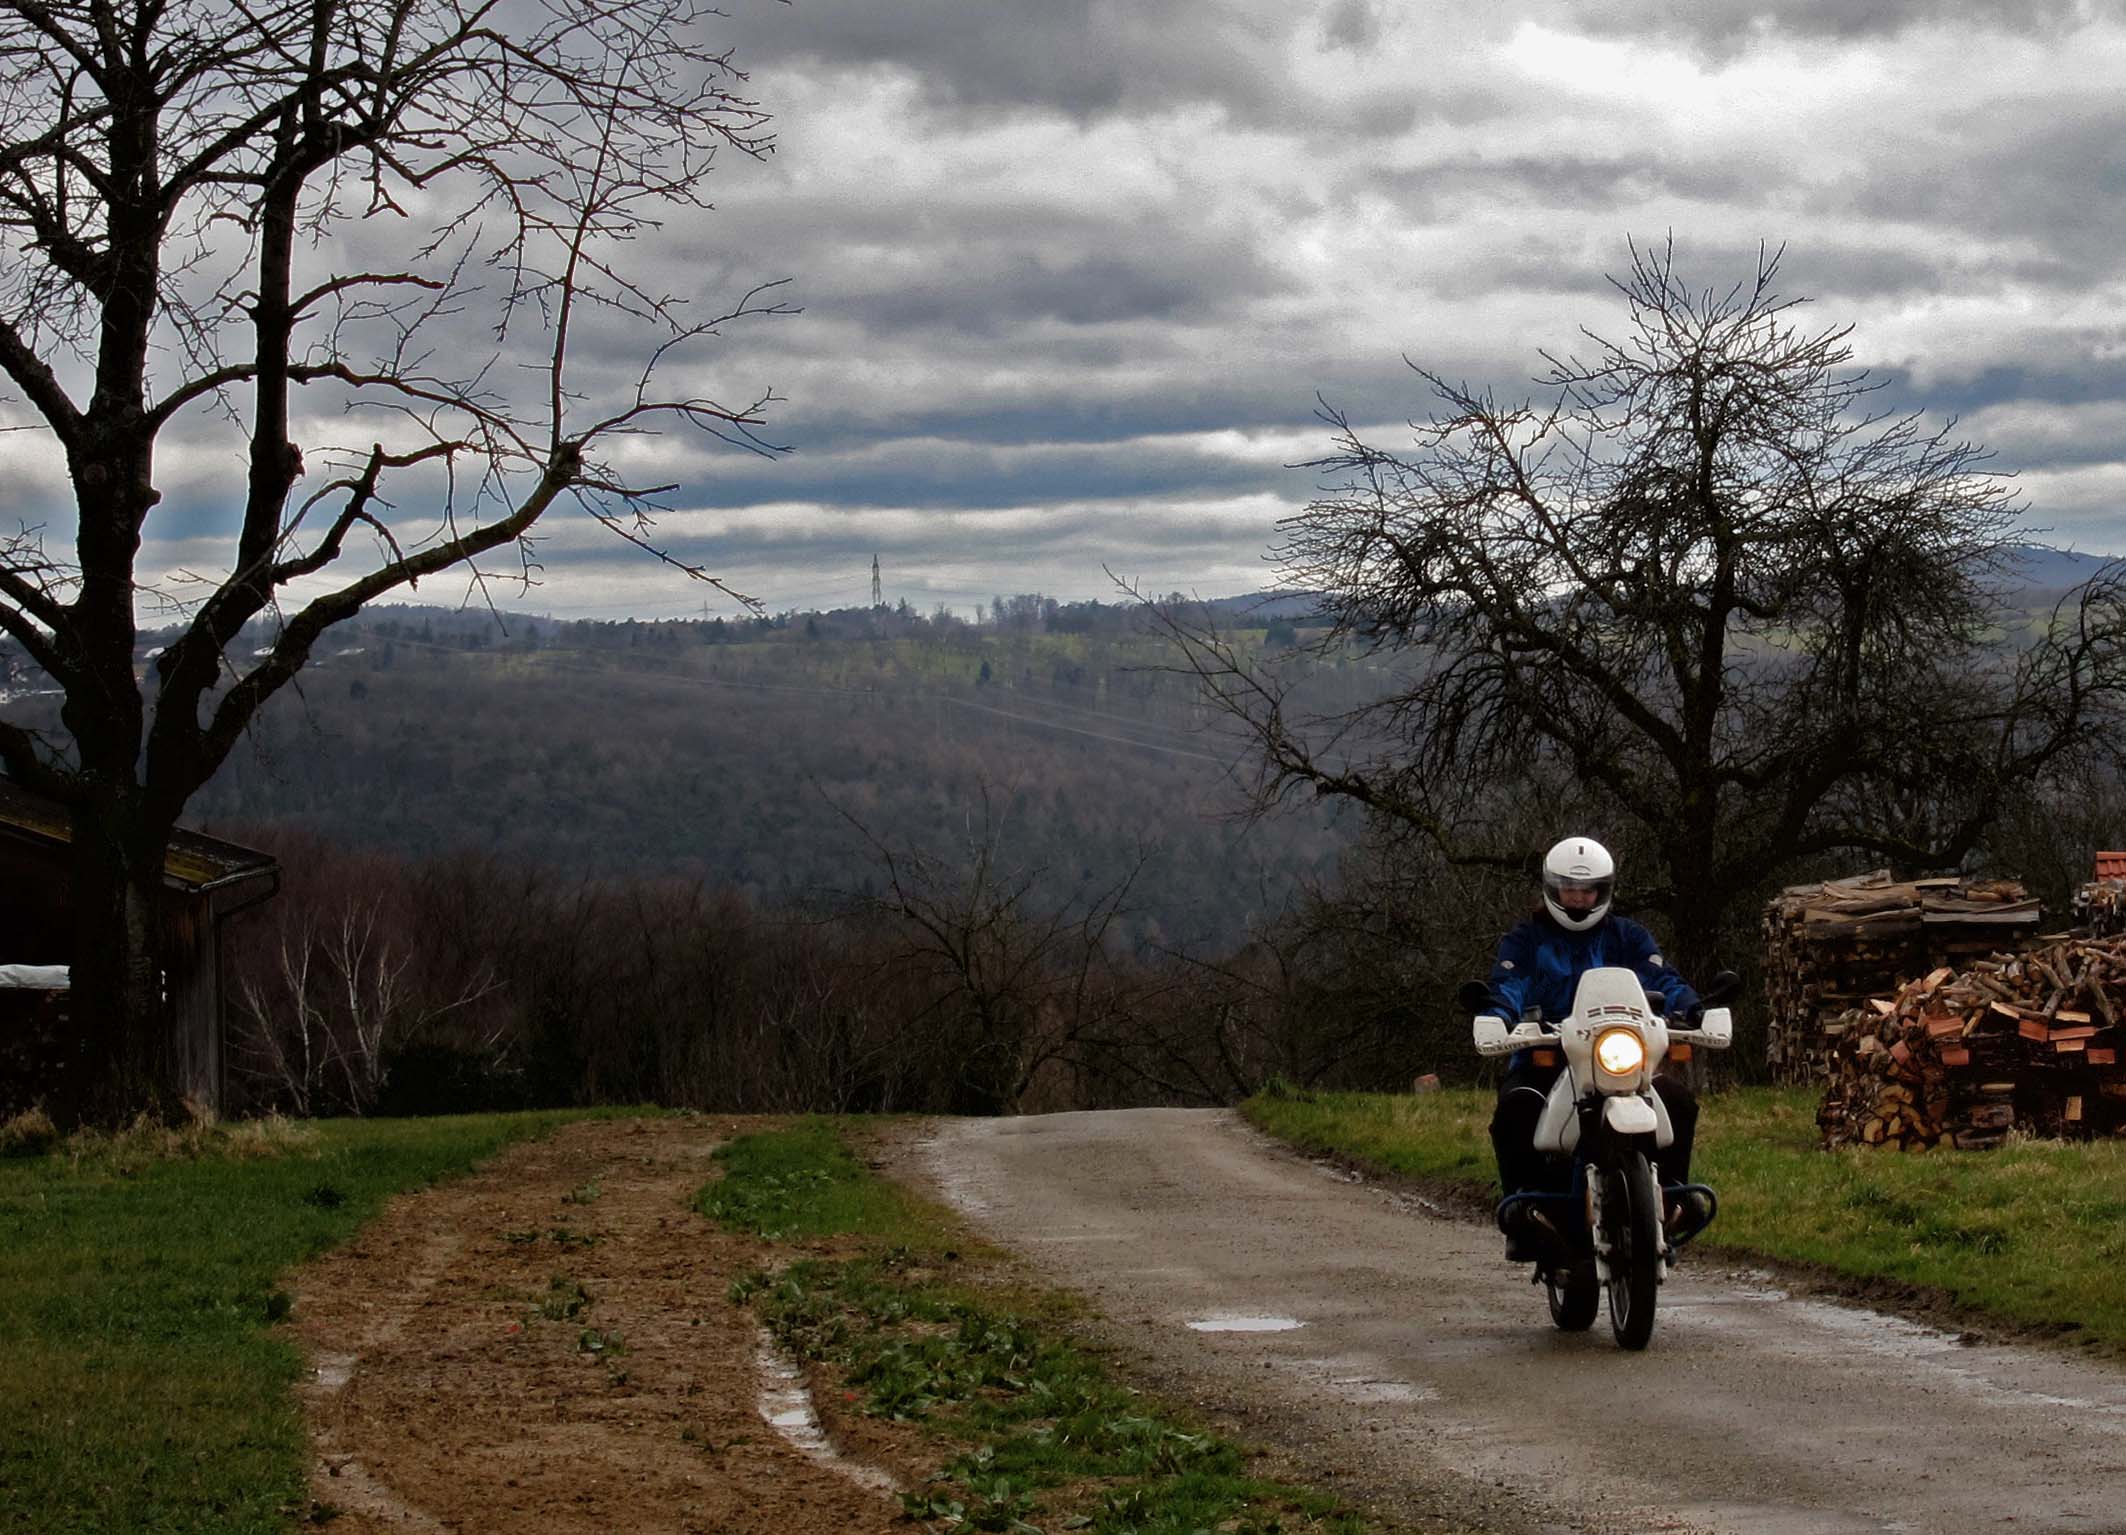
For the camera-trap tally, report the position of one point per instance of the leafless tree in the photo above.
(1015, 981)
(358, 247)
(320, 1029)
(1710, 591)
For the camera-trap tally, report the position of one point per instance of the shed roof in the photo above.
(2110, 866)
(195, 861)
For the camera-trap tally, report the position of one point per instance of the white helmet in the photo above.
(1577, 866)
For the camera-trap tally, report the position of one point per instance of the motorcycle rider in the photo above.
(1539, 965)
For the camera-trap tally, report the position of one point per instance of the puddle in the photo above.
(1361, 1381)
(1227, 1322)
(787, 1407)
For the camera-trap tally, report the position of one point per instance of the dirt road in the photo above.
(1423, 1371)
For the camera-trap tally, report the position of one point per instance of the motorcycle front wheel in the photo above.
(1631, 1216)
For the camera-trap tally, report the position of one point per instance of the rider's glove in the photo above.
(1490, 1034)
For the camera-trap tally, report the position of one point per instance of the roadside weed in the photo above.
(565, 1299)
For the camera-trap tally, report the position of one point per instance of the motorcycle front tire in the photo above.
(1631, 1210)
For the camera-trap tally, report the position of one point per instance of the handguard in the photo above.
(1715, 1031)
(1493, 1039)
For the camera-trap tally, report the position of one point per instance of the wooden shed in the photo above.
(205, 882)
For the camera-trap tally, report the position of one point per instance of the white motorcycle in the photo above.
(1603, 1228)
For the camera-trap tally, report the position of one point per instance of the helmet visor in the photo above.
(1578, 895)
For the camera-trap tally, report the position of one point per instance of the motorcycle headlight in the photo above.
(1620, 1052)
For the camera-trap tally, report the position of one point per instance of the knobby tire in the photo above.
(1631, 1210)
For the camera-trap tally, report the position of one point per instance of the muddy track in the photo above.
(497, 1356)
(1390, 1349)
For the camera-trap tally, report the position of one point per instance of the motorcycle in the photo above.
(1605, 1229)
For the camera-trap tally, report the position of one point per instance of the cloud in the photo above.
(1724, 28)
(1073, 272)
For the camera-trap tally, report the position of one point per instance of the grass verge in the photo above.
(142, 1382)
(2032, 1234)
(1035, 1435)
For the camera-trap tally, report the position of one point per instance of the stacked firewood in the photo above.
(2100, 907)
(1959, 1058)
(1829, 947)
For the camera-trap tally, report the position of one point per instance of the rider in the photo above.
(1538, 967)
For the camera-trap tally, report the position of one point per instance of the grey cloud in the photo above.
(1091, 59)
(1723, 28)
(1563, 181)
(1081, 57)
(1352, 25)
(2050, 188)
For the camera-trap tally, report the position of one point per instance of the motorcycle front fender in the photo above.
(1630, 1115)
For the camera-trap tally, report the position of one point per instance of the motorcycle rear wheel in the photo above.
(1575, 1296)
(1631, 1212)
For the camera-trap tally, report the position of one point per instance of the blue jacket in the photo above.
(1539, 965)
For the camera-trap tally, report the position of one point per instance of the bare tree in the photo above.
(1711, 593)
(355, 246)
(1012, 983)
(338, 1004)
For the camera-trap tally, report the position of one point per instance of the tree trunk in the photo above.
(123, 1064)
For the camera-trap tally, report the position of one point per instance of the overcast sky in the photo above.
(1073, 271)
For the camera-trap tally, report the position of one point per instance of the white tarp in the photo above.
(40, 977)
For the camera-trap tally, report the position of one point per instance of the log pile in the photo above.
(1830, 947)
(2100, 907)
(1959, 1058)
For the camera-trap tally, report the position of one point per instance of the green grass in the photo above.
(143, 1385)
(804, 1182)
(1037, 1435)
(2033, 1234)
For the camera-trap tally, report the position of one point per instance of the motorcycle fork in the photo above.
(1594, 1141)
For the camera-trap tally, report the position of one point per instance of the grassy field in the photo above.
(143, 1386)
(1036, 1433)
(2033, 1234)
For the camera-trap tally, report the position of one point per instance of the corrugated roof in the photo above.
(195, 860)
(2110, 866)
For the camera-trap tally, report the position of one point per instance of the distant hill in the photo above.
(2048, 572)
(758, 754)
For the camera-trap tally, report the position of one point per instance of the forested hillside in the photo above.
(767, 755)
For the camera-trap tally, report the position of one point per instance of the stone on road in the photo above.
(1345, 1321)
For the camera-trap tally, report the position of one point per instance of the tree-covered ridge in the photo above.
(752, 754)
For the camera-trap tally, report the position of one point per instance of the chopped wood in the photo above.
(2001, 1065)
(1861, 942)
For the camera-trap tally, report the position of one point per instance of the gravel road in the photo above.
(1423, 1373)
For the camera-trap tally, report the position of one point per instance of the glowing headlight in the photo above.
(1620, 1052)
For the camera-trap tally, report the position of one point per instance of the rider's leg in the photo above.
(1682, 1106)
(1521, 1099)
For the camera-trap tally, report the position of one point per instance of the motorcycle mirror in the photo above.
(1724, 984)
(1473, 996)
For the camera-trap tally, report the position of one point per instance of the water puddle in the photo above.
(1360, 1380)
(787, 1407)
(1228, 1322)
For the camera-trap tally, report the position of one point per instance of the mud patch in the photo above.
(492, 1356)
